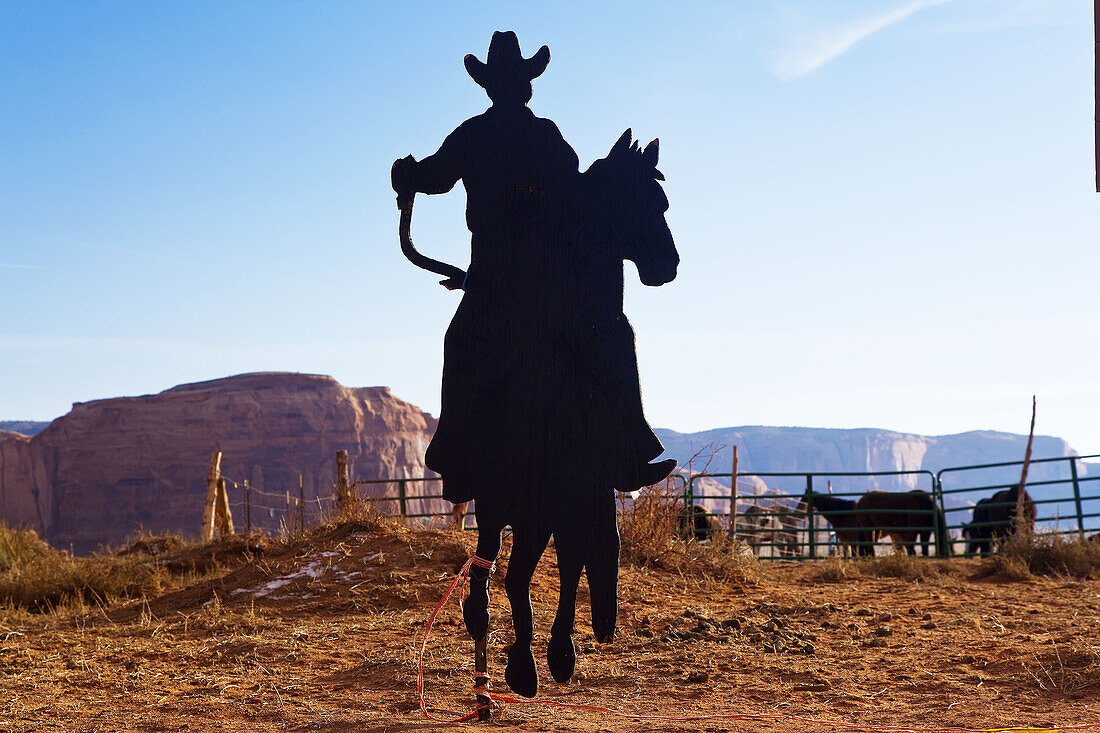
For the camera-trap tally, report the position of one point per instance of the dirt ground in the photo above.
(324, 635)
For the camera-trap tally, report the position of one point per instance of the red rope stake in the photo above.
(481, 689)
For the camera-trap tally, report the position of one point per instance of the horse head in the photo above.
(627, 200)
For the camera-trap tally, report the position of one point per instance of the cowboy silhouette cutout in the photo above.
(541, 418)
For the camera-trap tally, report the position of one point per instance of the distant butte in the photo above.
(112, 466)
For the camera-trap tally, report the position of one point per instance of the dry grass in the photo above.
(19, 546)
(1024, 555)
(1071, 670)
(38, 578)
(153, 545)
(653, 537)
(904, 566)
(835, 570)
(35, 578)
(900, 565)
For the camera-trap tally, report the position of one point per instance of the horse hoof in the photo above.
(562, 657)
(603, 627)
(520, 674)
(475, 612)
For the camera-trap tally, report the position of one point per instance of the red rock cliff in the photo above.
(111, 466)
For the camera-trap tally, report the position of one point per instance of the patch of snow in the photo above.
(314, 570)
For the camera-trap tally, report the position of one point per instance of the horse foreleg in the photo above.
(910, 541)
(560, 653)
(528, 545)
(475, 609)
(602, 565)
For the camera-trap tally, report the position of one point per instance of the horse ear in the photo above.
(649, 155)
(622, 144)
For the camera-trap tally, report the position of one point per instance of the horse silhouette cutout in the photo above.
(541, 417)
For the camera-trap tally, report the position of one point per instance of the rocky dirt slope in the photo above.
(323, 634)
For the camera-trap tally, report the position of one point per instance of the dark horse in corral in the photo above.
(841, 514)
(905, 517)
(541, 418)
(994, 517)
(698, 524)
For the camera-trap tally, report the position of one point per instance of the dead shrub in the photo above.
(17, 546)
(225, 552)
(1025, 554)
(836, 569)
(44, 582)
(653, 534)
(153, 545)
(902, 565)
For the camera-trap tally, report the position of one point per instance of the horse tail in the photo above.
(943, 537)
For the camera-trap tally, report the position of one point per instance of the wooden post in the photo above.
(212, 476)
(1077, 498)
(1019, 526)
(481, 677)
(289, 520)
(402, 499)
(223, 515)
(343, 486)
(301, 504)
(810, 514)
(247, 507)
(733, 495)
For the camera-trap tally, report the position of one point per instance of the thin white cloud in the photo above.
(834, 42)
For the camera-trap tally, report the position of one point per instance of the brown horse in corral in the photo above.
(905, 517)
(458, 515)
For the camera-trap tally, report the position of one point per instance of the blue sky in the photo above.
(885, 210)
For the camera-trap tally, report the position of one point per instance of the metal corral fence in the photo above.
(1066, 502)
(793, 515)
(417, 500)
(781, 515)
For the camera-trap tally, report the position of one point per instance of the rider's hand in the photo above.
(400, 174)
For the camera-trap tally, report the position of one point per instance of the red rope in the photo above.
(483, 689)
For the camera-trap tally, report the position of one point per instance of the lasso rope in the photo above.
(479, 689)
(482, 690)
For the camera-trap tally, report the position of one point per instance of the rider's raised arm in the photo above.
(438, 173)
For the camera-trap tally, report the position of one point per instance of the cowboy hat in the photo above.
(505, 63)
